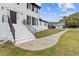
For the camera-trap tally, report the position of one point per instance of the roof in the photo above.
(43, 20)
(36, 5)
(57, 23)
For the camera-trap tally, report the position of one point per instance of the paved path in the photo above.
(42, 43)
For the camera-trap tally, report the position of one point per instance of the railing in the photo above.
(31, 29)
(11, 28)
(10, 25)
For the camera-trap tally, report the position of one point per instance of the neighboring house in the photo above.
(43, 24)
(57, 25)
(19, 21)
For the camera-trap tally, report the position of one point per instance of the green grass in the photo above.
(47, 32)
(68, 45)
(10, 49)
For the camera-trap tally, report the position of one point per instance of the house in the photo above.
(43, 25)
(57, 25)
(19, 21)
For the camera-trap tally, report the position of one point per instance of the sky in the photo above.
(53, 12)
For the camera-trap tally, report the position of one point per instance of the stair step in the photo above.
(22, 33)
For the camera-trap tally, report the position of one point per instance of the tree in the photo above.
(72, 21)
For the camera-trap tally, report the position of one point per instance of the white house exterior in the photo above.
(57, 25)
(43, 24)
(19, 21)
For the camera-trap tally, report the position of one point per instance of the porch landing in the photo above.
(42, 43)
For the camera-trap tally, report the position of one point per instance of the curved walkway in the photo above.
(42, 43)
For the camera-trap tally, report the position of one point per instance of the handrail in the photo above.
(31, 29)
(11, 28)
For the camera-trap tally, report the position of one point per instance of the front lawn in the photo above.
(8, 49)
(47, 32)
(68, 45)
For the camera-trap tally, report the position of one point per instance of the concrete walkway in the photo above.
(42, 43)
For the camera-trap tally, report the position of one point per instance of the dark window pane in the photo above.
(32, 8)
(27, 5)
(37, 10)
(40, 22)
(37, 22)
(13, 16)
(34, 21)
(28, 20)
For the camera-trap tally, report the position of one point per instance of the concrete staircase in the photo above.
(22, 34)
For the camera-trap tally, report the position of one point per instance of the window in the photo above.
(28, 20)
(44, 23)
(33, 21)
(13, 17)
(40, 22)
(28, 6)
(37, 21)
(4, 19)
(34, 8)
(37, 10)
(2, 7)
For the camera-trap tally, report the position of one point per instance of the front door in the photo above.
(13, 17)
